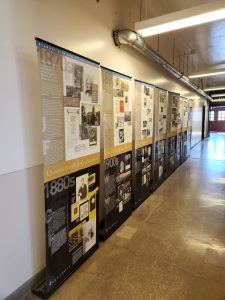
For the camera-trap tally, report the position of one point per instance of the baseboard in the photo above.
(27, 287)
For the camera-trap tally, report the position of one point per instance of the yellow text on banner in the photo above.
(63, 168)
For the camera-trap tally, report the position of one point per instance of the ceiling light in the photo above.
(216, 88)
(217, 95)
(182, 19)
(218, 100)
(208, 74)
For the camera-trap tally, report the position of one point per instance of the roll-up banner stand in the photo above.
(160, 119)
(189, 133)
(179, 131)
(71, 149)
(116, 198)
(171, 136)
(184, 131)
(144, 113)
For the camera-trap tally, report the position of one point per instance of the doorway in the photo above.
(203, 122)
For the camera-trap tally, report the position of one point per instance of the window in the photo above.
(221, 115)
(211, 116)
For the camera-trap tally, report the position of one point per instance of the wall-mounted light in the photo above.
(182, 19)
(207, 74)
(216, 88)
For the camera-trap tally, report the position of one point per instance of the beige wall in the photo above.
(84, 27)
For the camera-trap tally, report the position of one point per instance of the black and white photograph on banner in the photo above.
(82, 187)
(120, 121)
(145, 124)
(116, 83)
(120, 193)
(121, 135)
(88, 88)
(75, 237)
(121, 166)
(92, 203)
(89, 235)
(73, 78)
(90, 114)
(91, 179)
(146, 90)
(75, 212)
(127, 161)
(83, 131)
(118, 93)
(127, 116)
(84, 210)
(92, 134)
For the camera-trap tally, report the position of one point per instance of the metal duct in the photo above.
(135, 40)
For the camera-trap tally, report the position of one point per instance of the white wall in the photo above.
(84, 27)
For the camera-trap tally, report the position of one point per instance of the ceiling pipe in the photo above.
(135, 40)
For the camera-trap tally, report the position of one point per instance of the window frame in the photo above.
(211, 112)
(221, 115)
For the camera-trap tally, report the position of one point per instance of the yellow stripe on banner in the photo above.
(114, 151)
(92, 214)
(184, 129)
(179, 130)
(161, 137)
(63, 168)
(171, 134)
(142, 143)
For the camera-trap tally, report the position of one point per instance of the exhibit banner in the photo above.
(179, 131)
(71, 151)
(171, 140)
(117, 135)
(160, 117)
(189, 133)
(184, 133)
(144, 112)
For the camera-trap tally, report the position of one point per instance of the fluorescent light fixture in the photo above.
(218, 100)
(208, 74)
(217, 95)
(182, 19)
(216, 88)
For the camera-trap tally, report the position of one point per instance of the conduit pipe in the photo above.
(135, 40)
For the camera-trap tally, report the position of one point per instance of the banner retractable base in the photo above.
(169, 172)
(105, 234)
(41, 291)
(136, 204)
(157, 184)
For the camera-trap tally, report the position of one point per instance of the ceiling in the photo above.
(196, 49)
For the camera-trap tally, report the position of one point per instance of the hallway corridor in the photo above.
(173, 245)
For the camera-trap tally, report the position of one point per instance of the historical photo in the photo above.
(93, 202)
(84, 210)
(83, 131)
(92, 134)
(127, 161)
(120, 121)
(89, 235)
(75, 237)
(91, 179)
(73, 78)
(121, 135)
(90, 114)
(127, 116)
(74, 211)
(120, 192)
(82, 187)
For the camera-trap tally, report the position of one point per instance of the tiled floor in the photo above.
(172, 247)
